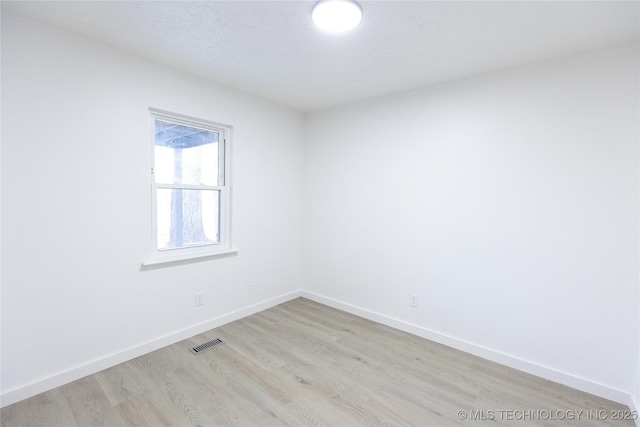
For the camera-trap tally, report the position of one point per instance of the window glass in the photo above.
(185, 155)
(187, 217)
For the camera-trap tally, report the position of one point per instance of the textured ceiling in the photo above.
(271, 48)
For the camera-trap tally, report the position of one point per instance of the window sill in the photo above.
(166, 260)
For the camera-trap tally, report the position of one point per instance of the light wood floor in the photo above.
(302, 363)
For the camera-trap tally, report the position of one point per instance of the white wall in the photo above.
(507, 202)
(76, 207)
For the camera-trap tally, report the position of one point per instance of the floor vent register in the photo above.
(206, 346)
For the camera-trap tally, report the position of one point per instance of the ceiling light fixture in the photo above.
(336, 15)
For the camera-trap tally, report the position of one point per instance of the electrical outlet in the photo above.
(199, 298)
(252, 285)
(413, 300)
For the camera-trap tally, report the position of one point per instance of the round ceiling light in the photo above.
(336, 15)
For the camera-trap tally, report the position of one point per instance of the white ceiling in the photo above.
(271, 48)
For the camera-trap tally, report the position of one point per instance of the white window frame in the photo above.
(209, 250)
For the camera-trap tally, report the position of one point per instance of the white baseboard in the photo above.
(62, 378)
(484, 352)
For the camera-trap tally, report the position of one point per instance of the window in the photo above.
(190, 185)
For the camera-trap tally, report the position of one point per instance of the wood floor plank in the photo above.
(118, 383)
(303, 363)
(222, 406)
(139, 411)
(45, 409)
(89, 404)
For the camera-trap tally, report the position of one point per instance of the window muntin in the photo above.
(190, 187)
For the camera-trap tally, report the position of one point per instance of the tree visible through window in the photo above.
(190, 191)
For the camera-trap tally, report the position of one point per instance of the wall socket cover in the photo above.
(413, 300)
